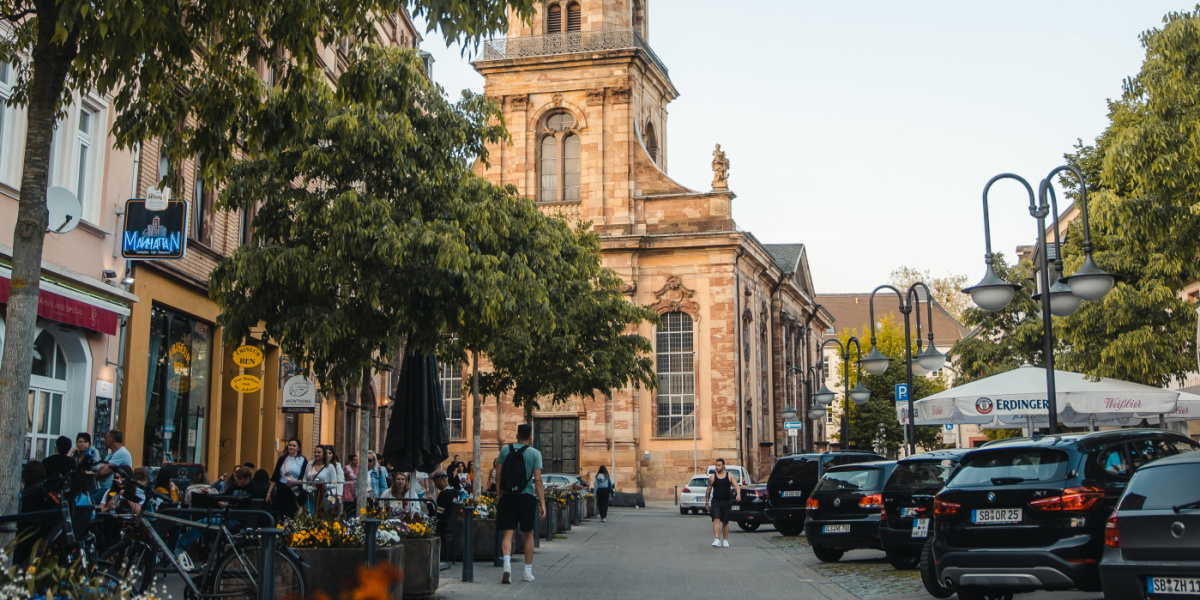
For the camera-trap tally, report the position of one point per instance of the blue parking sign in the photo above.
(901, 392)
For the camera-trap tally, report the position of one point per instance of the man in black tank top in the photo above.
(723, 489)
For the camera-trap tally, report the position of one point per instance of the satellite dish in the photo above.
(64, 210)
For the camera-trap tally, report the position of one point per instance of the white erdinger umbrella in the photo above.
(1016, 396)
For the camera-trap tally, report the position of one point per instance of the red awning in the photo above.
(72, 312)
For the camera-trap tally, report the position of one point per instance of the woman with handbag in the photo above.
(350, 472)
(285, 492)
(321, 479)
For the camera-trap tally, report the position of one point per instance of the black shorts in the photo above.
(516, 509)
(719, 509)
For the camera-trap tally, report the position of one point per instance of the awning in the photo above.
(80, 309)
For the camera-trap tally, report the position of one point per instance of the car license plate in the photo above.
(993, 516)
(792, 494)
(910, 511)
(920, 528)
(836, 529)
(1179, 586)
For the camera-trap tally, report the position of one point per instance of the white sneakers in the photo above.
(507, 576)
(528, 575)
(716, 542)
(725, 543)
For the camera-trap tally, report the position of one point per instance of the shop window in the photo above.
(177, 387)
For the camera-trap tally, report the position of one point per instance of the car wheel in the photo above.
(978, 593)
(903, 560)
(748, 526)
(787, 529)
(683, 511)
(929, 575)
(828, 555)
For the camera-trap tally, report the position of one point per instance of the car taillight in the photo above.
(687, 490)
(1112, 533)
(883, 512)
(812, 504)
(943, 508)
(1072, 499)
(874, 501)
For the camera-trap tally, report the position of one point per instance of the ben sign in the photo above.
(154, 234)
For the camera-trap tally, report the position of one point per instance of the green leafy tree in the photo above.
(162, 62)
(946, 290)
(874, 425)
(1004, 339)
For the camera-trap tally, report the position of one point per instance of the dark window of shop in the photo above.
(177, 386)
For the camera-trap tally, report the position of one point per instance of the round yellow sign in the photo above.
(247, 357)
(246, 384)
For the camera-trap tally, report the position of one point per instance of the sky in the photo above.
(867, 130)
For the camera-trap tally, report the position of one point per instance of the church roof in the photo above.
(786, 256)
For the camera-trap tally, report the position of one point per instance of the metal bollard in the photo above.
(266, 562)
(372, 528)
(676, 495)
(498, 559)
(468, 546)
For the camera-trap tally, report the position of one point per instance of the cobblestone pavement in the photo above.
(656, 553)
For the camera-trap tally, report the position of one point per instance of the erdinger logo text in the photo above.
(984, 406)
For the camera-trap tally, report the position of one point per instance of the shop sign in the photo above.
(299, 395)
(154, 234)
(246, 384)
(247, 357)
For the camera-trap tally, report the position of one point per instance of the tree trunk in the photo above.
(49, 70)
(476, 426)
(366, 403)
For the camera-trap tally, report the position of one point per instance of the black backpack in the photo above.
(513, 470)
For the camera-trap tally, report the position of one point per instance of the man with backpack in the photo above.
(522, 497)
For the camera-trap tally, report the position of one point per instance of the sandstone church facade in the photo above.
(585, 101)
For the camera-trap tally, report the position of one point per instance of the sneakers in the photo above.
(716, 542)
(724, 543)
(603, 520)
(184, 560)
(507, 576)
(528, 576)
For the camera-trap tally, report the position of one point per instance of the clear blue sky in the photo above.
(867, 130)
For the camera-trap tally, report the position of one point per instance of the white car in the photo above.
(740, 475)
(691, 497)
(549, 479)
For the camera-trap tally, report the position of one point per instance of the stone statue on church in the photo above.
(720, 166)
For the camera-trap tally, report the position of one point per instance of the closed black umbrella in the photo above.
(417, 434)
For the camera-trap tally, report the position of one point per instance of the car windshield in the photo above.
(1158, 488)
(1010, 466)
(866, 478)
(919, 475)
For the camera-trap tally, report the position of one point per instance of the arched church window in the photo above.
(549, 168)
(571, 152)
(554, 19)
(651, 142)
(560, 121)
(676, 369)
(574, 17)
(560, 163)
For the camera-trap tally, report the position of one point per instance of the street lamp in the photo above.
(859, 395)
(926, 361)
(1061, 297)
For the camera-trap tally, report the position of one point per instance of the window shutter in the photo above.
(554, 19)
(574, 18)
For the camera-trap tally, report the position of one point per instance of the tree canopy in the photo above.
(946, 290)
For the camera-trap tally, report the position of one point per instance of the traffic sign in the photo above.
(949, 426)
(901, 392)
(793, 425)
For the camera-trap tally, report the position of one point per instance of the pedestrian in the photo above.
(323, 480)
(491, 480)
(243, 484)
(350, 475)
(469, 475)
(455, 466)
(603, 488)
(118, 455)
(522, 497)
(400, 490)
(447, 509)
(165, 487)
(34, 498)
(723, 489)
(60, 464)
(196, 495)
(285, 491)
(262, 480)
(83, 446)
(377, 477)
(123, 495)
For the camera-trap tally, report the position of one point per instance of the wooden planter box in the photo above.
(591, 507)
(421, 561)
(560, 519)
(335, 569)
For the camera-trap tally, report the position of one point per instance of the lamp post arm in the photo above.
(987, 230)
(1083, 211)
(928, 310)
(871, 306)
(858, 347)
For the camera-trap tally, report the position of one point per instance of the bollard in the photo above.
(676, 495)
(266, 562)
(468, 546)
(372, 527)
(570, 513)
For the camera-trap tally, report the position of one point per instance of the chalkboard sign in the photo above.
(103, 419)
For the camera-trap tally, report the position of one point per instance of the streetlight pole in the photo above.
(1061, 297)
(815, 411)
(789, 410)
(930, 359)
(859, 395)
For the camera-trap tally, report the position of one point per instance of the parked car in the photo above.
(908, 504)
(793, 478)
(739, 474)
(1030, 513)
(749, 512)
(1152, 543)
(844, 509)
(691, 496)
(559, 479)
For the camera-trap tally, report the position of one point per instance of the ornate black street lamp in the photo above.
(1061, 297)
(859, 395)
(929, 359)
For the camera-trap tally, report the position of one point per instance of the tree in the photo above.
(1005, 339)
(162, 62)
(947, 291)
(874, 424)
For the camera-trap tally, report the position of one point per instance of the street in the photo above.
(656, 553)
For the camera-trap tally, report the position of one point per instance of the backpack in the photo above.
(513, 470)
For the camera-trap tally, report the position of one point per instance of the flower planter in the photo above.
(421, 560)
(560, 519)
(334, 569)
(591, 507)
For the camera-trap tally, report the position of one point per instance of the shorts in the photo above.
(720, 509)
(516, 509)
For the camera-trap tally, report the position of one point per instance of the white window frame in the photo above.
(675, 366)
(451, 376)
(9, 144)
(83, 157)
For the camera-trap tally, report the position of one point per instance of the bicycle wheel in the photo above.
(237, 572)
(130, 560)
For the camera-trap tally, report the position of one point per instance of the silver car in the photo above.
(691, 496)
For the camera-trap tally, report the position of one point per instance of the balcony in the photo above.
(569, 43)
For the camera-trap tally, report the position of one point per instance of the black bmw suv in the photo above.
(793, 478)
(1030, 513)
(908, 503)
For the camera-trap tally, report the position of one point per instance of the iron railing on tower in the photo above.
(569, 43)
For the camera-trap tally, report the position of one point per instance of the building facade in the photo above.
(585, 101)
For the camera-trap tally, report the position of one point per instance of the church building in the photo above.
(585, 100)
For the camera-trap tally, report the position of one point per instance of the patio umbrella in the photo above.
(417, 434)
